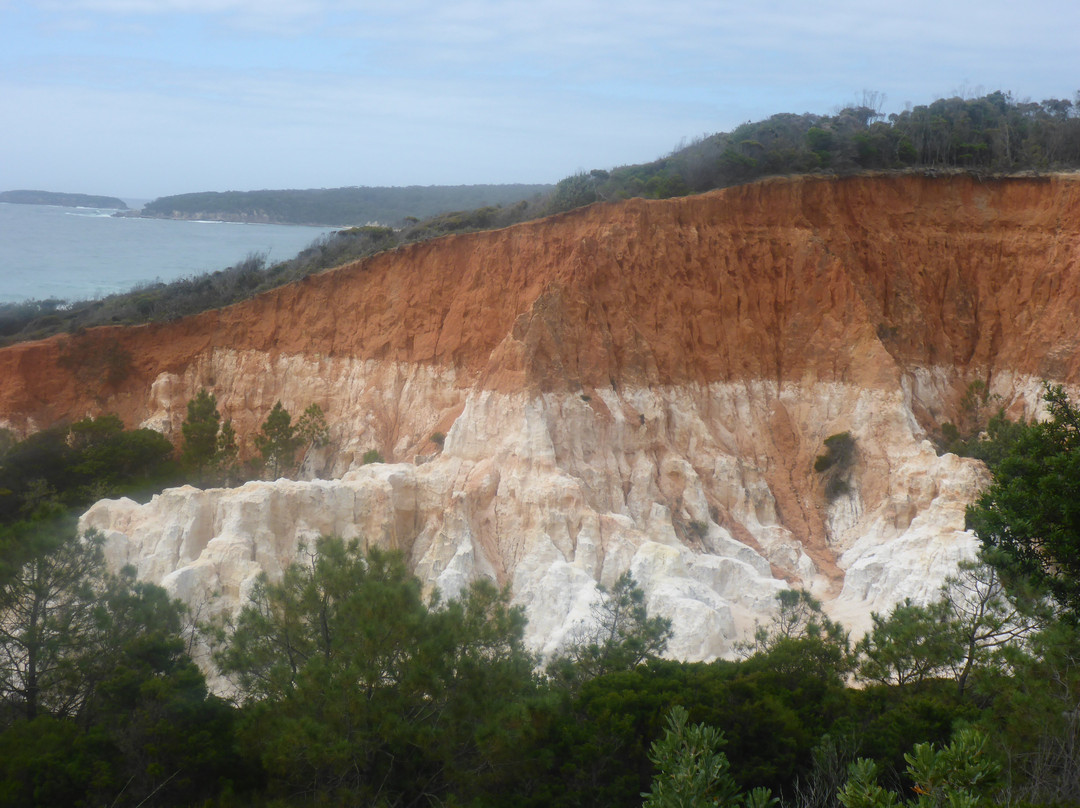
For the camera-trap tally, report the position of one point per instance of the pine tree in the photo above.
(278, 441)
(200, 430)
(209, 451)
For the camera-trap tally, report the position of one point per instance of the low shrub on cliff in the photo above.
(835, 464)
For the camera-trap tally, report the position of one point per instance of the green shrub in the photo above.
(839, 452)
(835, 464)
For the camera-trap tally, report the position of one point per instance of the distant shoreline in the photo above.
(63, 200)
(224, 218)
(339, 207)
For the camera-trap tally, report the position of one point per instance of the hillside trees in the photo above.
(910, 645)
(962, 774)
(1029, 516)
(93, 668)
(970, 629)
(46, 634)
(621, 635)
(692, 768)
(75, 465)
(209, 447)
(312, 430)
(798, 615)
(278, 441)
(359, 689)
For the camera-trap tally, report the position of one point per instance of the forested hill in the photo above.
(995, 133)
(65, 200)
(339, 206)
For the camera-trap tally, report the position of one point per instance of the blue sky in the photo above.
(145, 98)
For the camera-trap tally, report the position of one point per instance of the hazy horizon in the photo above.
(140, 99)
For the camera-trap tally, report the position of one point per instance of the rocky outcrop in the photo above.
(638, 386)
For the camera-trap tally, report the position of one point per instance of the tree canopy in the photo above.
(1028, 518)
(362, 689)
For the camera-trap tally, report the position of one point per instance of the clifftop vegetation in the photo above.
(993, 134)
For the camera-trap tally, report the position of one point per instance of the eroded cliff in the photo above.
(641, 385)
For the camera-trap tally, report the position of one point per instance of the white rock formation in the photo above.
(706, 494)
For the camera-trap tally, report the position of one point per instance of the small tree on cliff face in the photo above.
(209, 451)
(278, 441)
(312, 430)
(227, 451)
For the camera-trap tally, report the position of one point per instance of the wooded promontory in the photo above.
(338, 207)
(64, 200)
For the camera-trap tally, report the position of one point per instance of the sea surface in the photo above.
(82, 253)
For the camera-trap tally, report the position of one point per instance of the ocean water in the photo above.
(82, 253)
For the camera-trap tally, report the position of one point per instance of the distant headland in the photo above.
(64, 200)
(338, 207)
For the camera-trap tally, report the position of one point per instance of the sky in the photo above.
(148, 98)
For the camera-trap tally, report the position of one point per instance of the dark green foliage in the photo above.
(372, 456)
(76, 465)
(621, 637)
(200, 430)
(47, 630)
(911, 645)
(839, 452)
(962, 774)
(835, 464)
(30, 318)
(1033, 717)
(993, 133)
(358, 690)
(574, 192)
(990, 444)
(278, 441)
(313, 433)
(977, 433)
(772, 709)
(99, 703)
(692, 769)
(888, 720)
(799, 616)
(209, 450)
(312, 428)
(1029, 517)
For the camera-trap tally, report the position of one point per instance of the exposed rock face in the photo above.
(640, 386)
